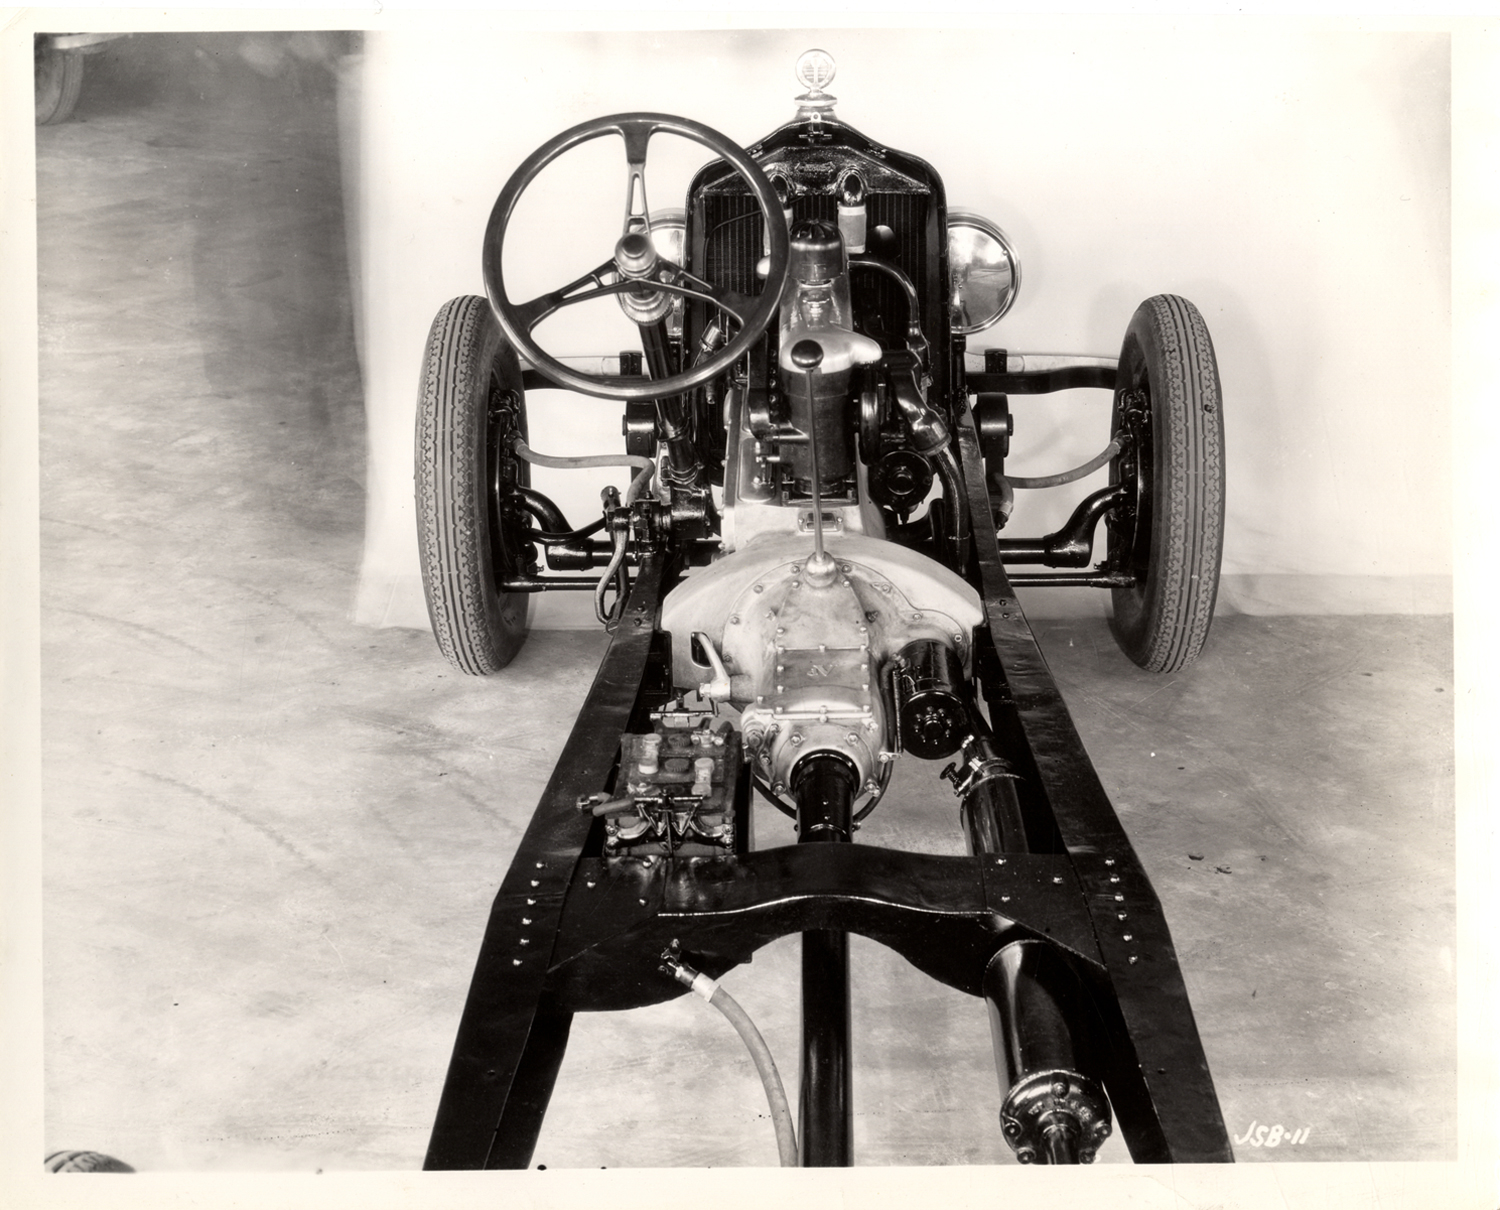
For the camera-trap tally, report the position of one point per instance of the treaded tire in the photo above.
(59, 79)
(85, 1161)
(1171, 534)
(469, 536)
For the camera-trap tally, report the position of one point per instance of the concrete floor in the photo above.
(272, 838)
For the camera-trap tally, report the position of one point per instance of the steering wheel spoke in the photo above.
(677, 280)
(636, 268)
(637, 134)
(731, 301)
(532, 313)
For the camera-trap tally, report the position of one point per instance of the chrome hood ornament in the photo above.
(815, 70)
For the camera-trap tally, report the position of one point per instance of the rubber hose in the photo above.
(603, 586)
(1078, 472)
(647, 468)
(770, 1078)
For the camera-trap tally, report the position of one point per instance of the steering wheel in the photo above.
(636, 267)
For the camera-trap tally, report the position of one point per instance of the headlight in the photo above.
(984, 272)
(667, 230)
(668, 234)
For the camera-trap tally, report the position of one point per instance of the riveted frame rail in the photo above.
(572, 930)
(513, 1033)
(1156, 1073)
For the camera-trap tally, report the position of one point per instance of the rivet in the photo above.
(589, 884)
(1109, 861)
(1129, 937)
(780, 667)
(1133, 959)
(531, 903)
(1059, 1089)
(1114, 878)
(734, 619)
(515, 962)
(642, 902)
(781, 630)
(1120, 915)
(1057, 881)
(525, 941)
(541, 865)
(525, 919)
(999, 861)
(1119, 898)
(796, 583)
(1004, 898)
(534, 882)
(760, 588)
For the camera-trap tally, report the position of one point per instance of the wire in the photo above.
(877, 799)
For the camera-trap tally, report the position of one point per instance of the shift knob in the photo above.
(807, 354)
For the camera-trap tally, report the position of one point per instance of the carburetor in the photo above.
(676, 789)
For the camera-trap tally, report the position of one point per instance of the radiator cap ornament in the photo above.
(815, 70)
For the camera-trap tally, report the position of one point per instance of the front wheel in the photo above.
(1168, 533)
(85, 1161)
(59, 80)
(471, 524)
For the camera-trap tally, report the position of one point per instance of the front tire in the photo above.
(1170, 533)
(85, 1161)
(59, 80)
(470, 525)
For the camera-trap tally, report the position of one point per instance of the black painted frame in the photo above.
(574, 931)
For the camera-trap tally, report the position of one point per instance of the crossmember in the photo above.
(1061, 914)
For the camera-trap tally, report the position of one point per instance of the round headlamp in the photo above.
(984, 272)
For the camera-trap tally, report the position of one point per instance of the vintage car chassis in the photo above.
(1050, 919)
(571, 932)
